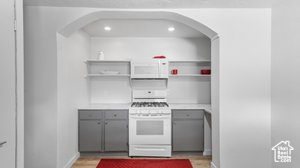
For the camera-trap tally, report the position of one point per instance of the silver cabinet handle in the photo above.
(2, 143)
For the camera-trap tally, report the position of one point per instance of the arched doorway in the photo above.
(212, 35)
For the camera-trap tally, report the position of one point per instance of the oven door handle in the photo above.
(150, 149)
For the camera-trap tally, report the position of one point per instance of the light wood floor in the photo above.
(197, 161)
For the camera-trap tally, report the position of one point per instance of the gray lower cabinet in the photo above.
(188, 131)
(90, 135)
(116, 135)
(103, 130)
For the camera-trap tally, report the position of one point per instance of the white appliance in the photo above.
(149, 124)
(155, 68)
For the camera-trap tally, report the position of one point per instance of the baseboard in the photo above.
(72, 160)
(212, 165)
(207, 152)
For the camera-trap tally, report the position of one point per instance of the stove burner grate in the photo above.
(149, 104)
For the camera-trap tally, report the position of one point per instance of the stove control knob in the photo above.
(145, 111)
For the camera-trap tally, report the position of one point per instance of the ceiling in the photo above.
(153, 3)
(140, 28)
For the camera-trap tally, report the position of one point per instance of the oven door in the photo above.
(150, 130)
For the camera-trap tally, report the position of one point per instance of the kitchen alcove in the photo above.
(136, 35)
(108, 80)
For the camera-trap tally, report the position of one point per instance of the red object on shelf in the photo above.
(145, 163)
(174, 71)
(205, 71)
(159, 57)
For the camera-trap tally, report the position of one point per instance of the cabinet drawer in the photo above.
(188, 114)
(90, 115)
(116, 114)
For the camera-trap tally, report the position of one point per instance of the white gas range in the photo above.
(149, 124)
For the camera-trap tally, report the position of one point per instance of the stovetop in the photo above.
(149, 104)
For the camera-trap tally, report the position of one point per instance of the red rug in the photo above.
(144, 163)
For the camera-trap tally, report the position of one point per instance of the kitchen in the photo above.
(67, 77)
(50, 73)
(138, 102)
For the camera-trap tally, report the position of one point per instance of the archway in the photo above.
(212, 35)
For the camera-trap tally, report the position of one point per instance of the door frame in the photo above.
(19, 42)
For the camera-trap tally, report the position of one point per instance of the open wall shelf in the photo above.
(189, 75)
(189, 61)
(189, 68)
(108, 68)
(107, 61)
(186, 68)
(107, 75)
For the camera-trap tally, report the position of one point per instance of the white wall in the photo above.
(40, 92)
(189, 90)
(41, 25)
(20, 82)
(41, 85)
(285, 80)
(244, 78)
(109, 90)
(136, 48)
(215, 101)
(118, 90)
(72, 92)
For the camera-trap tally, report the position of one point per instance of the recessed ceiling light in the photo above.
(171, 29)
(107, 28)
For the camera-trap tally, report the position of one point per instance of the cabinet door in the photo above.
(90, 132)
(188, 135)
(116, 135)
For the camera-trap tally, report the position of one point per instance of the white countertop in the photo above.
(185, 106)
(108, 106)
(125, 106)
